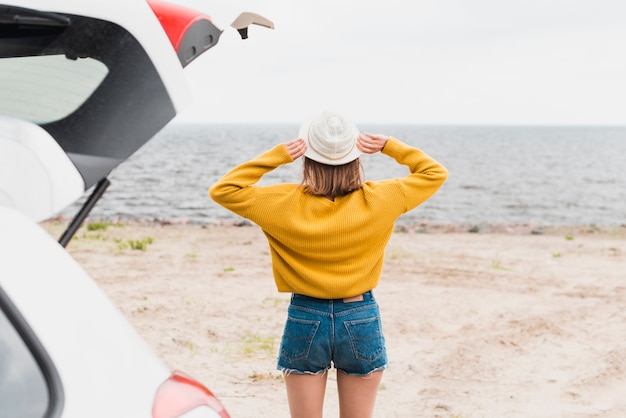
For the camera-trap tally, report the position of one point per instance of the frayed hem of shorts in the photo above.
(365, 375)
(287, 371)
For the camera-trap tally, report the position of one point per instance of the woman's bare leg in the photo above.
(305, 393)
(357, 394)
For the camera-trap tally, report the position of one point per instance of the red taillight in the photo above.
(175, 19)
(191, 33)
(180, 394)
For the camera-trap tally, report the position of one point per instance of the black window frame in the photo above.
(126, 110)
(56, 395)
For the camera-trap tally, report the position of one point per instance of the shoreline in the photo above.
(417, 227)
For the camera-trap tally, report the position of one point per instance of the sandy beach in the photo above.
(510, 321)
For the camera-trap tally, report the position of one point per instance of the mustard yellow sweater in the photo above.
(321, 248)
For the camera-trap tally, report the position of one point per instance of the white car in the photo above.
(83, 85)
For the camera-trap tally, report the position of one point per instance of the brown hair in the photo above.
(331, 180)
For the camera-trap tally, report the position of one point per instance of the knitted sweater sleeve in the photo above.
(236, 191)
(426, 175)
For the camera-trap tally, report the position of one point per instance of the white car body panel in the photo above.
(48, 180)
(106, 369)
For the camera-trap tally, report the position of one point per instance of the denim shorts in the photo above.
(319, 332)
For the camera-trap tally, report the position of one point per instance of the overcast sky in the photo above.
(546, 62)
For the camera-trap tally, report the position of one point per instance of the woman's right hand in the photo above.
(371, 143)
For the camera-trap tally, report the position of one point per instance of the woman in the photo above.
(327, 239)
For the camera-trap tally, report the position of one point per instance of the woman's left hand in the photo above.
(296, 148)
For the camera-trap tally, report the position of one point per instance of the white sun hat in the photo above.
(330, 138)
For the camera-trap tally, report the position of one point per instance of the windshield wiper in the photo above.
(13, 15)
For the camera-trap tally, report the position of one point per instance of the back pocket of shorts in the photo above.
(298, 337)
(366, 338)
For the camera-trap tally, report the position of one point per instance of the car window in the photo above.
(45, 89)
(88, 82)
(29, 385)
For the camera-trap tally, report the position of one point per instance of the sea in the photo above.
(538, 175)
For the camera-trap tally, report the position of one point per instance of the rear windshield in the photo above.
(45, 89)
(24, 389)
